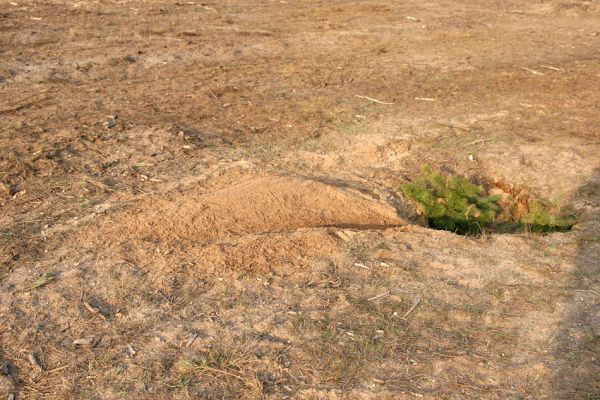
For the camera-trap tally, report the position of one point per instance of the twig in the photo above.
(425, 99)
(372, 99)
(134, 187)
(236, 29)
(94, 310)
(533, 71)
(586, 290)
(412, 308)
(86, 341)
(191, 339)
(552, 68)
(379, 296)
(359, 265)
(100, 185)
(462, 128)
(23, 105)
(34, 362)
(214, 94)
(482, 141)
(57, 369)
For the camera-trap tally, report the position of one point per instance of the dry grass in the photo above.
(172, 280)
(223, 372)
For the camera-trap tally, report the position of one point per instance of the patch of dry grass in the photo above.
(224, 371)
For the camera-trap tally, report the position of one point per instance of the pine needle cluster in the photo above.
(452, 203)
(455, 204)
(541, 220)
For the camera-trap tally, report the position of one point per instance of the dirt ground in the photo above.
(202, 199)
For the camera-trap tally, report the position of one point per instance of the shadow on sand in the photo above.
(577, 342)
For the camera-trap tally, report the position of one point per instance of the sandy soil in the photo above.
(202, 199)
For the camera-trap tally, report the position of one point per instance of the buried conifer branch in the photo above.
(42, 280)
(452, 203)
(455, 204)
(541, 220)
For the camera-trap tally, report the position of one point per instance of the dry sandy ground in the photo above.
(201, 199)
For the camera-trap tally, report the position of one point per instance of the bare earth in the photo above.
(201, 199)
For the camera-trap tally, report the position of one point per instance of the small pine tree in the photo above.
(452, 203)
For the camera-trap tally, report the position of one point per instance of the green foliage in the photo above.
(452, 203)
(455, 204)
(541, 220)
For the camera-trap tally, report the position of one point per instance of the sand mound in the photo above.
(256, 205)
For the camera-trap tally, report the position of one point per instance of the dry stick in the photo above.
(93, 310)
(57, 369)
(191, 339)
(34, 362)
(412, 308)
(134, 187)
(533, 71)
(552, 68)
(362, 266)
(100, 185)
(236, 29)
(372, 99)
(23, 105)
(214, 94)
(462, 128)
(379, 296)
(482, 141)
(586, 290)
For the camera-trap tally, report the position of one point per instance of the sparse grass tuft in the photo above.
(227, 371)
(351, 347)
(358, 249)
